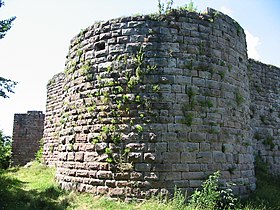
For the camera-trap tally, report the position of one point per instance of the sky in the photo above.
(36, 47)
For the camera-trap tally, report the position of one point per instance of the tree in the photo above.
(5, 150)
(5, 25)
(6, 85)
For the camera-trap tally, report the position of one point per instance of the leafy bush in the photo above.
(39, 153)
(178, 200)
(212, 197)
(5, 150)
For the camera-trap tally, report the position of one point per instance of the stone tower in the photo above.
(148, 103)
(27, 133)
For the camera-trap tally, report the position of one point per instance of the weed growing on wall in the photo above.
(189, 7)
(239, 98)
(117, 94)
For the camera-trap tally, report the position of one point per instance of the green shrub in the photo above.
(39, 153)
(178, 200)
(5, 150)
(212, 197)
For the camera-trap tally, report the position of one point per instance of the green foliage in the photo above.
(164, 9)
(190, 7)
(35, 188)
(207, 103)
(109, 133)
(139, 61)
(5, 25)
(222, 63)
(269, 141)
(39, 153)
(86, 71)
(139, 128)
(31, 188)
(239, 98)
(261, 167)
(267, 195)
(189, 65)
(178, 200)
(258, 136)
(190, 92)
(138, 99)
(188, 119)
(222, 74)
(211, 197)
(108, 151)
(133, 81)
(94, 140)
(5, 150)
(91, 108)
(6, 85)
(156, 88)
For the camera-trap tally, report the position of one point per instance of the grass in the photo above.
(267, 194)
(34, 188)
(29, 188)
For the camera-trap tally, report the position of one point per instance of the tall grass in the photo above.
(34, 188)
(29, 188)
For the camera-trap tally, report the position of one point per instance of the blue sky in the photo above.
(36, 46)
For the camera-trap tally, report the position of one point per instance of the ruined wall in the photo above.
(52, 119)
(265, 109)
(27, 133)
(150, 103)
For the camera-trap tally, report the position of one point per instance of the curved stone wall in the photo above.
(265, 109)
(52, 124)
(153, 102)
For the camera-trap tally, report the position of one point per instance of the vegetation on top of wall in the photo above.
(165, 8)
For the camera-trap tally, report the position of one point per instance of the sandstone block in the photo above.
(171, 157)
(79, 156)
(102, 190)
(219, 157)
(104, 174)
(188, 157)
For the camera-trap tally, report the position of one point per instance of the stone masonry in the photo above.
(27, 133)
(151, 102)
(265, 112)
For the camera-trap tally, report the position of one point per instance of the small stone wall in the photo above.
(27, 133)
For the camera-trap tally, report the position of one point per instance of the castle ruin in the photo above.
(27, 133)
(147, 103)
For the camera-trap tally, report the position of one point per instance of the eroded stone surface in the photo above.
(190, 113)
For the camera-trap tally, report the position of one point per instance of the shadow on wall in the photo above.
(148, 103)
